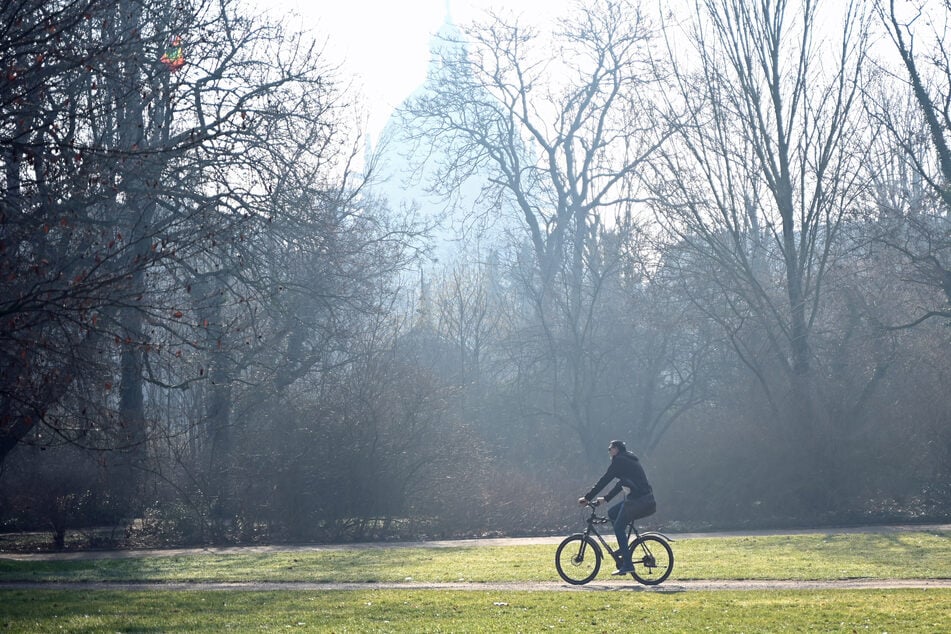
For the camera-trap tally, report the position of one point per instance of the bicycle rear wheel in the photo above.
(653, 559)
(578, 559)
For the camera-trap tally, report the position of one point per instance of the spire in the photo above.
(447, 35)
(424, 306)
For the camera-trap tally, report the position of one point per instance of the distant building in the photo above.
(462, 226)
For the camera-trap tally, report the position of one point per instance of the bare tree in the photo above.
(174, 187)
(764, 169)
(914, 189)
(562, 136)
(467, 314)
(62, 253)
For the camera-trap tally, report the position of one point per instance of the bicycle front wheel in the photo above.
(578, 559)
(653, 559)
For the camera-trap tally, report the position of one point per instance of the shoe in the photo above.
(623, 570)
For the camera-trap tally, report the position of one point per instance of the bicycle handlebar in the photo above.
(593, 506)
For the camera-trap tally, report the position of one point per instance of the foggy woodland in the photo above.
(728, 244)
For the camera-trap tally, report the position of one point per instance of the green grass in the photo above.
(913, 555)
(662, 609)
(890, 611)
(917, 555)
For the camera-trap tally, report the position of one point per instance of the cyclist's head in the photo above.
(619, 445)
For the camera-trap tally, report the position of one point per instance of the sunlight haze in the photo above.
(383, 46)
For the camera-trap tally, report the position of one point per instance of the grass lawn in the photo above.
(876, 611)
(807, 557)
(916, 555)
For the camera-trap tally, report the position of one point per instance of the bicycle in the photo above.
(578, 558)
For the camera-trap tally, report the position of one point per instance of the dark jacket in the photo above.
(629, 473)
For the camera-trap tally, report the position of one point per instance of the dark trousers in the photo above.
(617, 515)
(623, 514)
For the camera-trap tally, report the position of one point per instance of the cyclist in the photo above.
(637, 503)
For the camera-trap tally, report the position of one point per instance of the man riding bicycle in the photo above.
(638, 501)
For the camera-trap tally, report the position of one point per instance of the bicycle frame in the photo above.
(590, 529)
(594, 518)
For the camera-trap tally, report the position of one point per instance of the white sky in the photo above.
(383, 45)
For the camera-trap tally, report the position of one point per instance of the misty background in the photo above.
(718, 232)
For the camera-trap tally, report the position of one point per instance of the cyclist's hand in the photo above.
(600, 501)
(582, 501)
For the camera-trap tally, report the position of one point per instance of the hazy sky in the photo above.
(383, 45)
